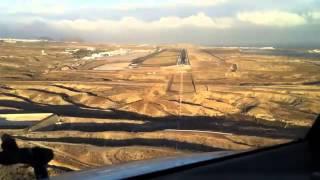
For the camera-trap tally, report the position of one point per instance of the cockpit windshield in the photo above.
(107, 82)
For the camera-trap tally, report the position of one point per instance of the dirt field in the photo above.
(135, 107)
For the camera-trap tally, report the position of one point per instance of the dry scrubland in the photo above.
(110, 111)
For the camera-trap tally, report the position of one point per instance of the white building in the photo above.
(12, 40)
(43, 53)
(119, 52)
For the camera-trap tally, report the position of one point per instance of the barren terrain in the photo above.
(143, 105)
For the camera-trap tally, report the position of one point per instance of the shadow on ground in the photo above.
(237, 124)
(128, 142)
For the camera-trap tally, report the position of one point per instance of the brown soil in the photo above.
(112, 113)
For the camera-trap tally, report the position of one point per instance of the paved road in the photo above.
(182, 81)
(183, 58)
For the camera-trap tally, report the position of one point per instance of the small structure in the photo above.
(70, 50)
(119, 52)
(233, 68)
(43, 53)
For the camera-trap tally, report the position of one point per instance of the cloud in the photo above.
(51, 7)
(199, 20)
(167, 4)
(202, 3)
(315, 15)
(209, 21)
(38, 7)
(272, 18)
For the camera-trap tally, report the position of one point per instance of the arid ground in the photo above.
(142, 105)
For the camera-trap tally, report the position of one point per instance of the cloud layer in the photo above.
(167, 4)
(199, 20)
(272, 18)
(203, 21)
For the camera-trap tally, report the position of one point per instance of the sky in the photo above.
(206, 22)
